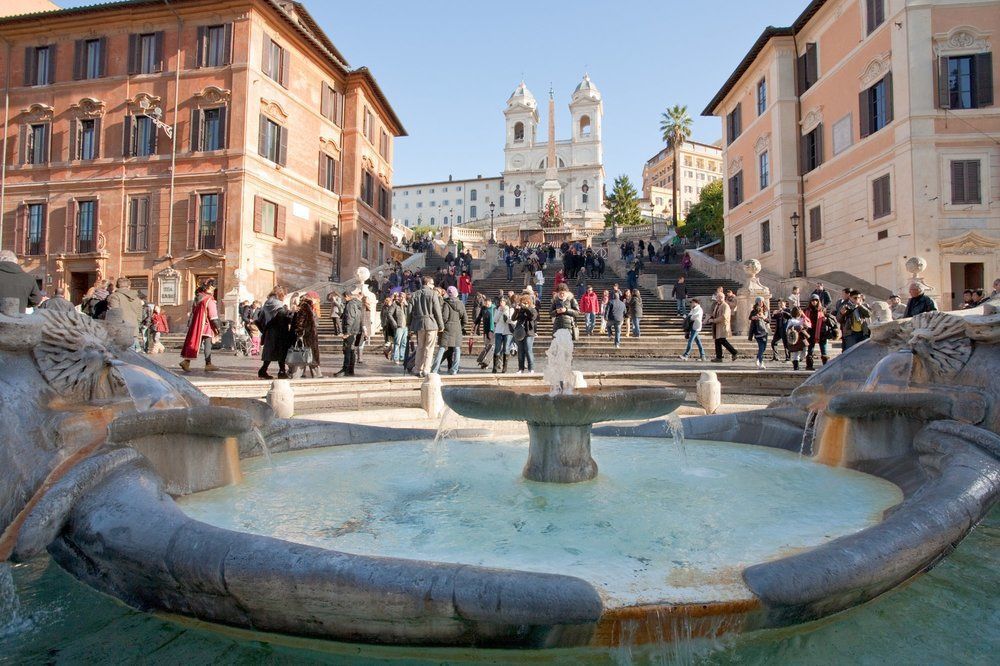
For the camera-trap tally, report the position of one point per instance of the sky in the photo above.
(448, 67)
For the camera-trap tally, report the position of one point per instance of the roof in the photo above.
(769, 33)
(367, 75)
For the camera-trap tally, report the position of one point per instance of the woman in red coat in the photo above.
(464, 287)
(202, 329)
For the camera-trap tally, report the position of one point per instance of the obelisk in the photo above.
(551, 186)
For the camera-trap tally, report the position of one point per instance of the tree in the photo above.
(423, 230)
(551, 214)
(623, 204)
(706, 215)
(675, 125)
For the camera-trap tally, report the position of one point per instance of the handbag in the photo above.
(519, 332)
(299, 354)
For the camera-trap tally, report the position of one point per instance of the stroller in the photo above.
(241, 341)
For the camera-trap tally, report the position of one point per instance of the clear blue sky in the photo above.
(448, 68)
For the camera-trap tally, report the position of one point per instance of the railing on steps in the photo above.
(733, 270)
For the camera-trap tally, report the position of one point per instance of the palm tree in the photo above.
(675, 124)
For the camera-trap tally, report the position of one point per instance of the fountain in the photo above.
(560, 422)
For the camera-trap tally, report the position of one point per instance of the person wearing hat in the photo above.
(450, 337)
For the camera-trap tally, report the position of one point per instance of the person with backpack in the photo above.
(759, 329)
(692, 327)
(854, 319)
(484, 324)
(816, 320)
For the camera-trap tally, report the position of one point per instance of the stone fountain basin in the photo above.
(582, 407)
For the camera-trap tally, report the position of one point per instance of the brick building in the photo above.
(280, 161)
(874, 122)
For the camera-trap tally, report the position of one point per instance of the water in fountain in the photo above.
(11, 620)
(265, 449)
(559, 366)
(809, 434)
(443, 430)
(676, 429)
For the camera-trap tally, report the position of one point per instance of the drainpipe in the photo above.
(173, 142)
(6, 119)
(801, 205)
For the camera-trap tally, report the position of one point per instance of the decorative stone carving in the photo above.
(736, 165)
(76, 357)
(330, 146)
(88, 107)
(214, 95)
(960, 40)
(970, 243)
(37, 113)
(142, 102)
(367, 163)
(811, 119)
(748, 294)
(875, 70)
(763, 143)
(273, 109)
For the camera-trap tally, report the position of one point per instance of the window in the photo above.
(736, 190)
(36, 229)
(812, 149)
(86, 146)
(208, 222)
(86, 226)
(807, 68)
(472, 213)
(815, 224)
(381, 253)
(687, 158)
(368, 188)
(331, 105)
(874, 14)
(765, 236)
(383, 202)
(39, 65)
(140, 136)
(268, 218)
(145, 53)
(383, 144)
(518, 131)
(137, 234)
(965, 82)
(276, 61)
(369, 126)
(761, 96)
(733, 124)
(459, 221)
(501, 200)
(366, 241)
(472, 195)
(881, 202)
(327, 172)
(90, 58)
(214, 45)
(764, 167)
(738, 242)
(273, 141)
(965, 187)
(876, 106)
(37, 144)
(208, 129)
(585, 126)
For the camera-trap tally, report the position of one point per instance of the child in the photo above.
(158, 326)
(798, 336)
(254, 334)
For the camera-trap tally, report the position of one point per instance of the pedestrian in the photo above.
(680, 296)
(731, 302)
(336, 310)
(798, 336)
(824, 296)
(794, 298)
(614, 313)
(450, 337)
(815, 317)
(351, 322)
(274, 321)
(854, 319)
(721, 321)
(396, 319)
(693, 324)
(465, 288)
(426, 320)
(686, 263)
(525, 318)
(589, 306)
(503, 313)
(780, 319)
(919, 302)
(539, 281)
(129, 306)
(158, 327)
(305, 332)
(202, 329)
(59, 302)
(564, 311)
(635, 311)
(632, 276)
(895, 306)
(759, 329)
(15, 283)
(95, 301)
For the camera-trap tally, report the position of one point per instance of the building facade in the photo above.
(182, 142)
(447, 202)
(699, 164)
(875, 123)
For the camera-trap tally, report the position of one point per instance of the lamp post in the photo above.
(493, 238)
(795, 245)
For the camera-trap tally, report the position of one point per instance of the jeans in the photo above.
(822, 348)
(538, 290)
(849, 340)
(695, 339)
(399, 343)
(635, 326)
(761, 347)
(500, 342)
(456, 356)
(615, 331)
(682, 307)
(510, 272)
(526, 353)
(464, 298)
(590, 320)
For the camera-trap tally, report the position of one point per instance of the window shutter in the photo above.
(864, 106)
(803, 155)
(812, 63)
(220, 227)
(133, 53)
(50, 74)
(262, 136)
(29, 66)
(279, 227)
(98, 127)
(44, 242)
(283, 148)
(158, 58)
(258, 214)
(739, 186)
(335, 165)
(195, 130)
(202, 37)
(104, 57)
(47, 142)
(324, 101)
(340, 108)
(286, 60)
(78, 59)
(972, 181)
(265, 63)
(322, 169)
(223, 128)
(154, 140)
(69, 244)
(869, 16)
(192, 224)
(75, 127)
(131, 237)
(227, 46)
(800, 74)
(984, 79)
(958, 187)
(888, 98)
(22, 144)
(943, 93)
(738, 118)
(20, 235)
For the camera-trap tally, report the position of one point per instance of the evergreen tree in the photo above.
(706, 215)
(623, 204)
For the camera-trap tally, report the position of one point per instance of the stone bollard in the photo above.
(10, 306)
(281, 398)
(709, 391)
(430, 395)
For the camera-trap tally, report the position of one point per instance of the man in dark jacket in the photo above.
(615, 315)
(680, 295)
(450, 341)
(15, 283)
(635, 311)
(128, 304)
(350, 322)
(426, 320)
(824, 296)
(919, 302)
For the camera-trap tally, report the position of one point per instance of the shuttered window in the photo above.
(209, 218)
(39, 65)
(145, 53)
(273, 141)
(368, 188)
(815, 224)
(327, 172)
(140, 136)
(764, 168)
(812, 149)
(807, 68)
(269, 218)
(90, 58)
(761, 96)
(137, 236)
(87, 143)
(37, 143)
(208, 129)
(276, 62)
(738, 242)
(876, 106)
(765, 236)
(881, 200)
(736, 190)
(215, 45)
(874, 14)
(86, 226)
(327, 238)
(965, 82)
(734, 124)
(331, 105)
(965, 187)
(36, 213)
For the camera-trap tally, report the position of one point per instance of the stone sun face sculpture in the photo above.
(76, 358)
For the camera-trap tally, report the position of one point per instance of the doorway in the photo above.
(79, 283)
(965, 276)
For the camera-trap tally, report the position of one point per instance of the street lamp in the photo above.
(795, 245)
(493, 239)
